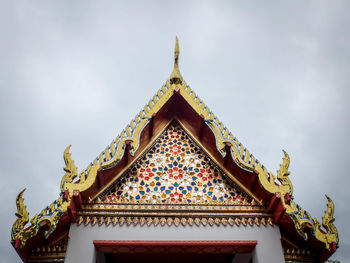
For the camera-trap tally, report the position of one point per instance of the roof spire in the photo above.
(175, 77)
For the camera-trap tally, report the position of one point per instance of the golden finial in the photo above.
(175, 77)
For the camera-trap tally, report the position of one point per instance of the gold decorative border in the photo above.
(173, 220)
(170, 207)
(109, 213)
(150, 145)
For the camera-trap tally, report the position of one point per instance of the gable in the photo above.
(175, 170)
(219, 173)
(174, 182)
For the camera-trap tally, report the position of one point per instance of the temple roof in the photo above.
(175, 100)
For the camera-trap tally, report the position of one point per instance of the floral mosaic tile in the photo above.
(175, 170)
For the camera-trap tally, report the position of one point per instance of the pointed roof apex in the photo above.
(175, 77)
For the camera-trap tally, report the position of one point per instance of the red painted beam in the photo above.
(276, 206)
(77, 199)
(72, 211)
(151, 127)
(201, 127)
(175, 247)
(228, 153)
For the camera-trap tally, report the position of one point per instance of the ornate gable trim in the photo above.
(166, 156)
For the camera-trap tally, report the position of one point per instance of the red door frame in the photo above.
(160, 247)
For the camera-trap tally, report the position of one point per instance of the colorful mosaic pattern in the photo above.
(175, 170)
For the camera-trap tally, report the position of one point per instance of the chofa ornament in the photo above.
(301, 218)
(50, 215)
(22, 215)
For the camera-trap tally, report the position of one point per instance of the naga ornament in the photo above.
(301, 218)
(70, 169)
(267, 179)
(50, 215)
(283, 173)
(22, 215)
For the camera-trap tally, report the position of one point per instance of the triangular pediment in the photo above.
(175, 170)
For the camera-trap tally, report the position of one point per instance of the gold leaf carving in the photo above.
(128, 221)
(231, 221)
(108, 221)
(80, 220)
(270, 221)
(224, 221)
(328, 219)
(156, 221)
(142, 221)
(101, 220)
(50, 215)
(268, 181)
(93, 220)
(22, 215)
(162, 221)
(70, 169)
(250, 221)
(283, 173)
(197, 221)
(257, 221)
(176, 221)
(237, 221)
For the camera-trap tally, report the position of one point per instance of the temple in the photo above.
(174, 186)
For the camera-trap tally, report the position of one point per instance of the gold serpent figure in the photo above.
(22, 215)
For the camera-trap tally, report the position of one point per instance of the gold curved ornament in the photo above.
(327, 222)
(283, 173)
(22, 215)
(70, 169)
(301, 219)
(267, 180)
(50, 215)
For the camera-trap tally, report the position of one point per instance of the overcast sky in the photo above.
(76, 72)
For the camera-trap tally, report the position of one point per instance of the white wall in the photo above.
(81, 248)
